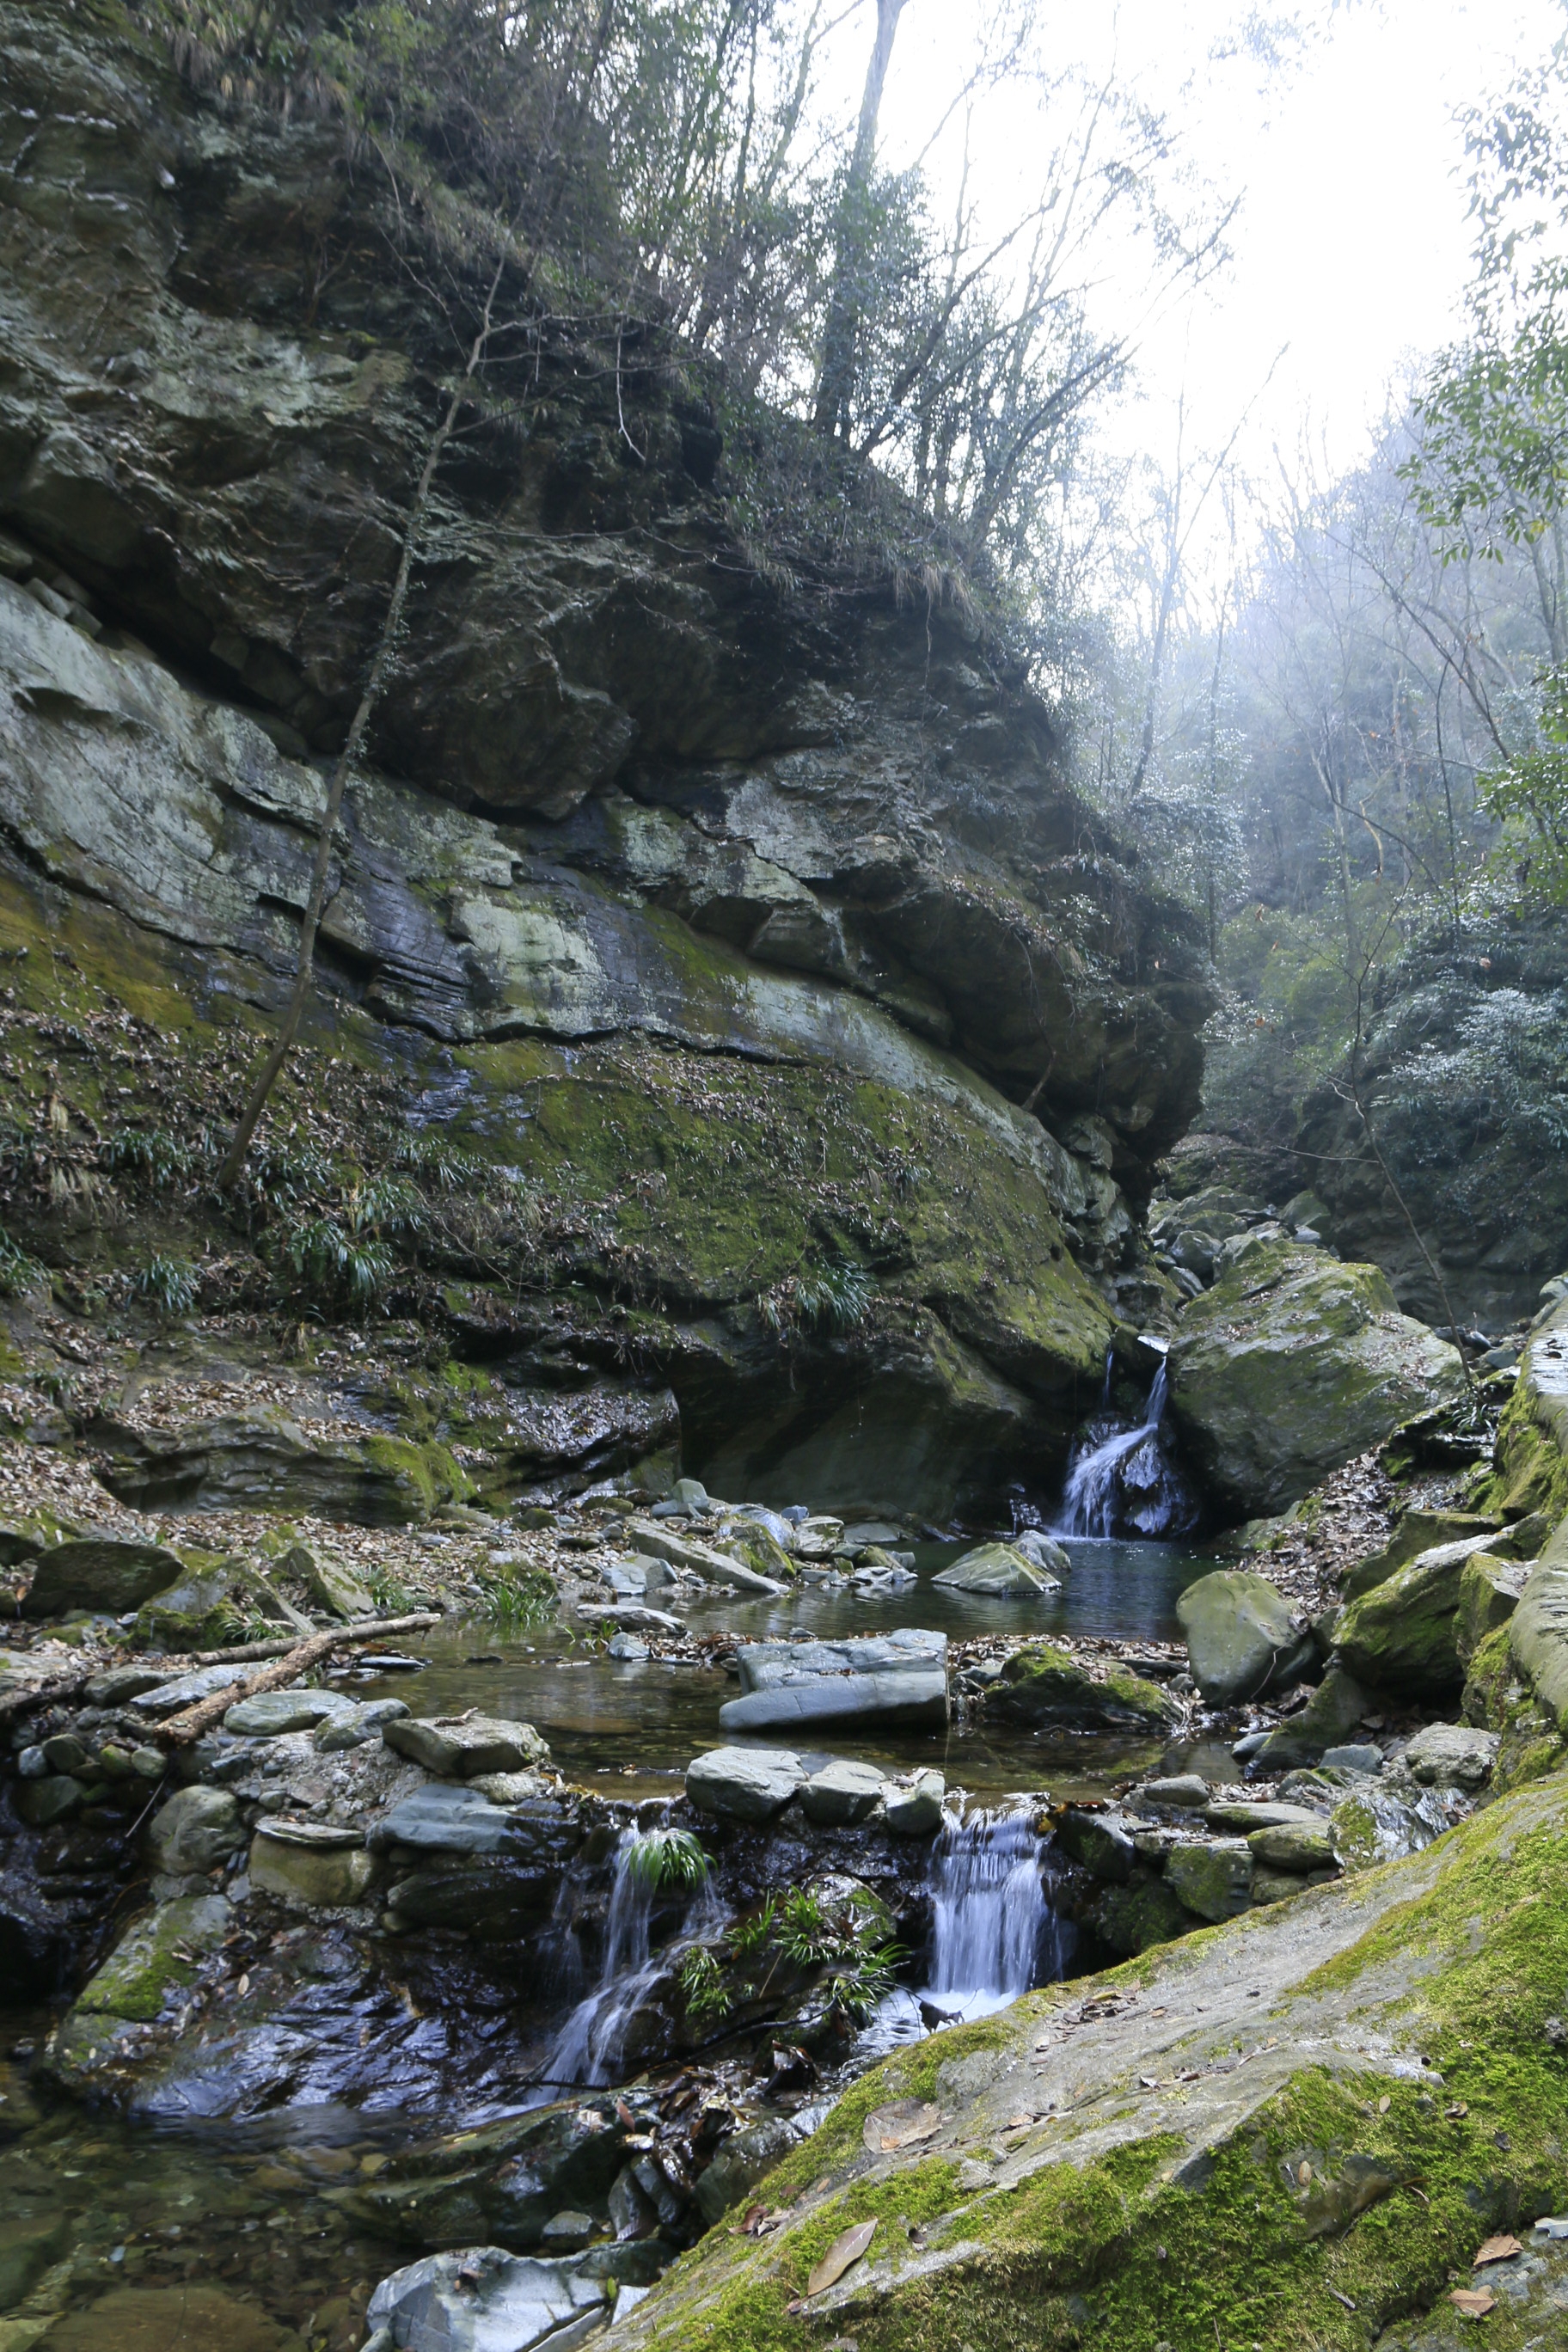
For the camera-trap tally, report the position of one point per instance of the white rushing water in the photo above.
(587, 2049)
(1123, 1476)
(994, 1933)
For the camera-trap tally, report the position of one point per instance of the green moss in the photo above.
(1491, 1679)
(1532, 1468)
(154, 1959)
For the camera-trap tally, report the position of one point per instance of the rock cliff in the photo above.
(743, 908)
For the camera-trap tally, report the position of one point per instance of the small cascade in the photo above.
(588, 2047)
(995, 1930)
(1120, 1481)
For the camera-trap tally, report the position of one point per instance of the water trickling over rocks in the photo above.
(1122, 1479)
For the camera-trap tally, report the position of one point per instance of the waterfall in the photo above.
(588, 2047)
(1119, 1481)
(994, 1927)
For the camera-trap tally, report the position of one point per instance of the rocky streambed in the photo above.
(476, 1976)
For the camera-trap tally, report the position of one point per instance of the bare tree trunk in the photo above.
(311, 921)
(836, 383)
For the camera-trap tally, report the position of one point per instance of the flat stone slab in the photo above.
(701, 1560)
(909, 1701)
(461, 1747)
(1245, 1814)
(842, 1792)
(749, 1784)
(999, 1572)
(168, 1698)
(271, 1713)
(444, 1819)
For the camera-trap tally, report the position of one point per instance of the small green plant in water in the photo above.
(171, 1283)
(513, 1600)
(702, 1982)
(668, 1858)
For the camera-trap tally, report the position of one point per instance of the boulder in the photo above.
(1299, 1846)
(1491, 1591)
(912, 1805)
(304, 1862)
(482, 2300)
(196, 1831)
(329, 1585)
(741, 2164)
(1416, 1532)
(1290, 1366)
(1047, 1688)
(1332, 1712)
(841, 1792)
(461, 1747)
(153, 1962)
(167, 1698)
(121, 1684)
(747, 1784)
(445, 1820)
(1212, 1880)
(1451, 1755)
(360, 1723)
(1132, 1918)
(1538, 1633)
(43, 1802)
(1385, 1820)
(99, 1572)
(1185, 1791)
(1099, 1841)
(659, 1540)
(271, 1713)
(1243, 1637)
(1400, 1637)
(1221, 2108)
(897, 1680)
(1246, 1814)
(1000, 1571)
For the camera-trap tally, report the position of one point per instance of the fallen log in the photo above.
(71, 1686)
(181, 1730)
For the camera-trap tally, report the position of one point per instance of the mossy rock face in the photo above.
(1243, 1637)
(139, 1984)
(1416, 1531)
(1393, 2031)
(264, 1463)
(1402, 1636)
(1133, 1919)
(99, 1572)
(1291, 1365)
(1045, 1687)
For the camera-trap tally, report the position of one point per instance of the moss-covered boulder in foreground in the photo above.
(1293, 1364)
(1289, 2130)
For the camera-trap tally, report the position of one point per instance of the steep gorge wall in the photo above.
(741, 909)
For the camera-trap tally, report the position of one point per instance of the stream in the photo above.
(196, 2216)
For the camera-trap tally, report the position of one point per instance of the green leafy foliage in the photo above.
(834, 1296)
(702, 1981)
(19, 1271)
(171, 1284)
(668, 1858)
(843, 1938)
(512, 1602)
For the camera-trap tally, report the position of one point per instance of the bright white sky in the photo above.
(1352, 249)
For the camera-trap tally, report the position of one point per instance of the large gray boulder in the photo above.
(196, 1831)
(749, 1784)
(482, 2300)
(897, 1680)
(270, 1713)
(1538, 1631)
(1243, 1637)
(463, 1747)
(100, 1572)
(1291, 1365)
(1001, 1572)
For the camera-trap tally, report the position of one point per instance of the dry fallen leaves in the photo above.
(1496, 2249)
(1472, 2302)
(841, 2254)
(901, 2124)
